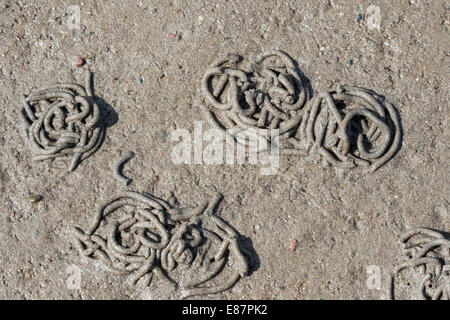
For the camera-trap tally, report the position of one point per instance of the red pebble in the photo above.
(171, 35)
(77, 60)
(293, 245)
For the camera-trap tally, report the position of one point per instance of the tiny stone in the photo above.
(171, 35)
(77, 61)
(257, 227)
(350, 62)
(359, 17)
(34, 198)
(293, 245)
(27, 274)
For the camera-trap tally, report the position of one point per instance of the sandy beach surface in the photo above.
(148, 59)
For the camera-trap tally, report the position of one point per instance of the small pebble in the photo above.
(171, 35)
(257, 227)
(350, 62)
(293, 245)
(359, 17)
(27, 275)
(34, 198)
(77, 61)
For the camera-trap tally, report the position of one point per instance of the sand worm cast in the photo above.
(63, 120)
(139, 235)
(350, 127)
(118, 168)
(428, 252)
(268, 95)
